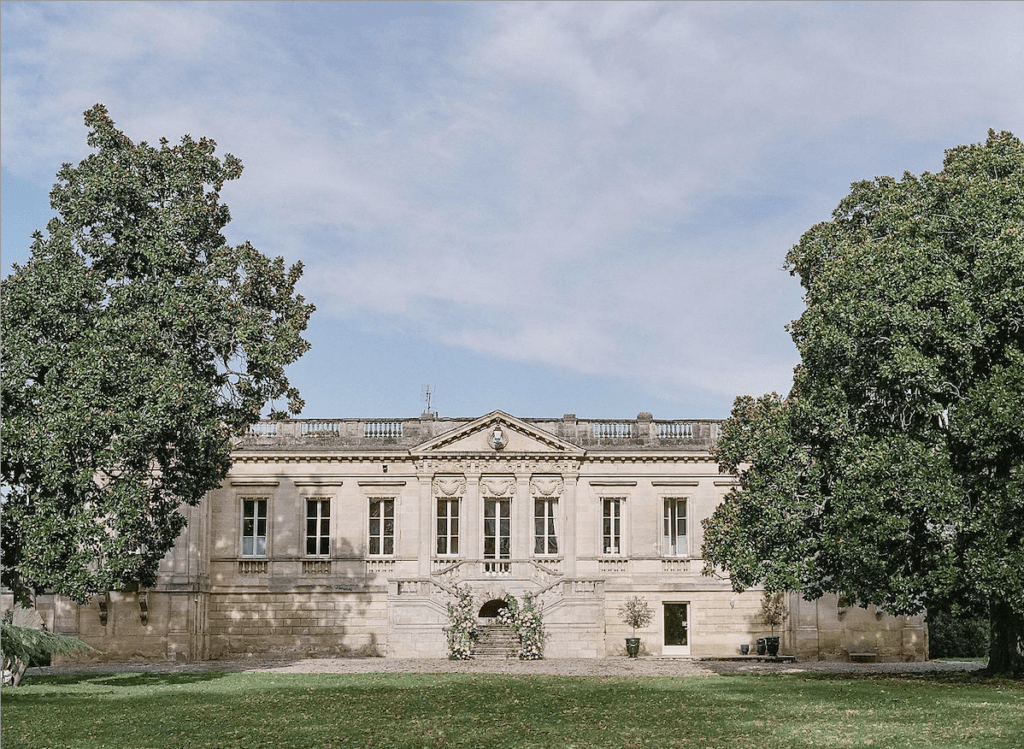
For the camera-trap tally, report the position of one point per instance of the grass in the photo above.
(335, 711)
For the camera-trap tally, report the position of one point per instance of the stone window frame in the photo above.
(620, 552)
(498, 488)
(624, 490)
(450, 488)
(498, 501)
(318, 487)
(669, 542)
(382, 553)
(552, 521)
(319, 497)
(451, 501)
(263, 499)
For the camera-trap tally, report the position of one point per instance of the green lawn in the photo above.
(331, 711)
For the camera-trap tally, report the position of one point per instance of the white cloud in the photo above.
(549, 183)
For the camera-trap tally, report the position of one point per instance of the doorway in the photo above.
(676, 628)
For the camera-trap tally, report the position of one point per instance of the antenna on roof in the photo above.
(425, 395)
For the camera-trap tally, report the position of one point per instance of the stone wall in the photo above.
(298, 624)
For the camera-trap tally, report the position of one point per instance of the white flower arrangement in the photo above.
(462, 632)
(525, 620)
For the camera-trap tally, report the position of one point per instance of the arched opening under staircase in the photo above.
(494, 640)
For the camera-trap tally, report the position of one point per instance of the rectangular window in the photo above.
(674, 541)
(611, 527)
(545, 526)
(254, 527)
(497, 529)
(318, 527)
(447, 527)
(382, 527)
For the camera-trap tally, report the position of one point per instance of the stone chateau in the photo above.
(348, 536)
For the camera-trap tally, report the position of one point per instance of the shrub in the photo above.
(952, 633)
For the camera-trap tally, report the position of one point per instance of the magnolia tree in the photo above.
(136, 343)
(893, 472)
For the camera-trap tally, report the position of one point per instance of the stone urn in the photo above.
(632, 646)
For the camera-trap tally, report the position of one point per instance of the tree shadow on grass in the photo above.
(155, 679)
(959, 678)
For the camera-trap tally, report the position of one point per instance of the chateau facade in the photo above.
(350, 537)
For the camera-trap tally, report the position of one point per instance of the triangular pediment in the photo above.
(497, 433)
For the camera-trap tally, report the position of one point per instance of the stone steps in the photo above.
(494, 641)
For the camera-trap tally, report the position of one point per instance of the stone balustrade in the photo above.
(642, 433)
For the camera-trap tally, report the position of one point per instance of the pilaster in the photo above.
(472, 522)
(522, 518)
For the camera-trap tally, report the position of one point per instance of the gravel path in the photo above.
(620, 666)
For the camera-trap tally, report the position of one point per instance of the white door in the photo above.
(675, 627)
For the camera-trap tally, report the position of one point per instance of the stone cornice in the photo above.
(474, 461)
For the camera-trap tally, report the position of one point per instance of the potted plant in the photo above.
(773, 613)
(636, 614)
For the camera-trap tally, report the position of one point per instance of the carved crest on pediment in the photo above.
(450, 486)
(499, 486)
(546, 486)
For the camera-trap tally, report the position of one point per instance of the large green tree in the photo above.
(136, 343)
(893, 472)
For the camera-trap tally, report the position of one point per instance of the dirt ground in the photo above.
(615, 666)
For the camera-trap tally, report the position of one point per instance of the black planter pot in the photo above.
(761, 646)
(632, 646)
(772, 643)
(744, 649)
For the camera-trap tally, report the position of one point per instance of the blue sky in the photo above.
(544, 208)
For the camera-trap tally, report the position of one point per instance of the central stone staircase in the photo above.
(495, 641)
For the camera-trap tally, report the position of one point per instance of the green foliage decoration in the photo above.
(137, 343)
(525, 620)
(462, 627)
(893, 471)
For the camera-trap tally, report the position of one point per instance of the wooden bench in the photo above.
(862, 653)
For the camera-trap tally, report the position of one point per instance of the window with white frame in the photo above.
(497, 528)
(254, 527)
(318, 527)
(545, 526)
(447, 526)
(382, 527)
(611, 525)
(674, 543)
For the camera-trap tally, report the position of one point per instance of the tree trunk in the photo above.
(1006, 645)
(13, 671)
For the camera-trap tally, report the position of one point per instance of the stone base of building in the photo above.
(581, 620)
